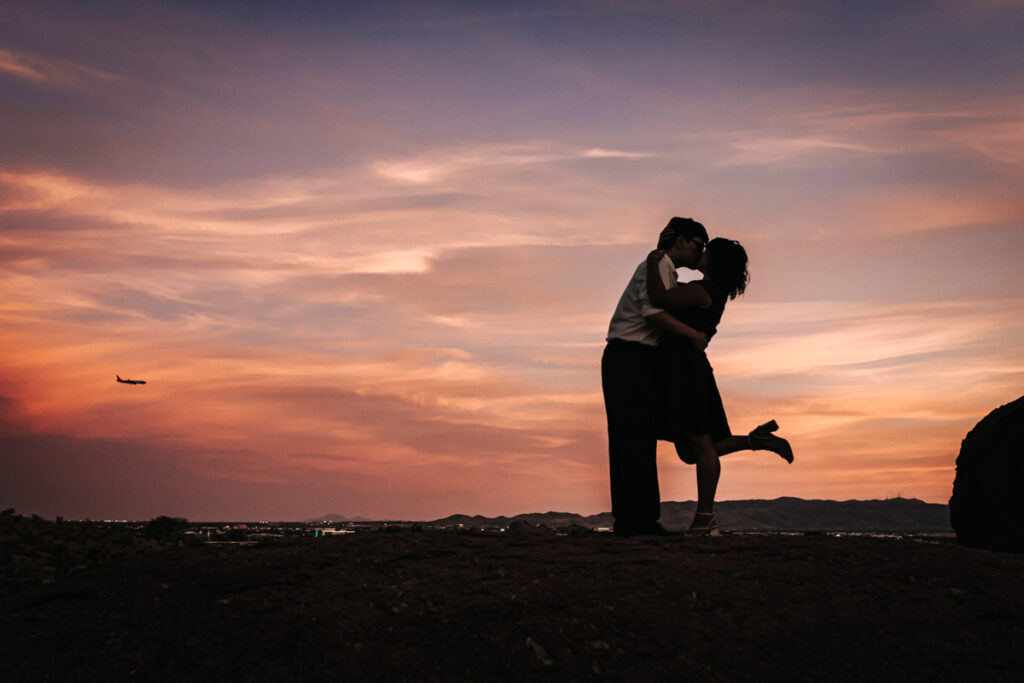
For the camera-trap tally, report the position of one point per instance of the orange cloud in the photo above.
(50, 72)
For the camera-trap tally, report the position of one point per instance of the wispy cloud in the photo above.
(931, 123)
(997, 139)
(54, 73)
(907, 210)
(755, 149)
(461, 163)
(599, 153)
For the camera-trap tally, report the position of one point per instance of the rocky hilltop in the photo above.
(483, 606)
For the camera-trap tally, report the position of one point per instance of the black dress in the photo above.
(689, 402)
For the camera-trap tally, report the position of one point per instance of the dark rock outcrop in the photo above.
(987, 507)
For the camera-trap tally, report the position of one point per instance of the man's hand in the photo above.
(700, 340)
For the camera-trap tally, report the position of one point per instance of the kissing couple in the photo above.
(658, 383)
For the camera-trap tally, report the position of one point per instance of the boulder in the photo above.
(987, 507)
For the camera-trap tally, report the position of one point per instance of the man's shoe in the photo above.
(624, 529)
(642, 529)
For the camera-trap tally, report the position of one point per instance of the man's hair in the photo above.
(681, 227)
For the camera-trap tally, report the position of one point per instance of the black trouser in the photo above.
(629, 380)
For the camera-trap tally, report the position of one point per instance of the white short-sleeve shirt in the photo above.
(629, 322)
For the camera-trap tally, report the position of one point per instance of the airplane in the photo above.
(130, 381)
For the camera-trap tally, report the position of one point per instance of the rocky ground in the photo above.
(452, 606)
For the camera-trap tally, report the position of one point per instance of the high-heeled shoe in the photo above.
(767, 428)
(703, 525)
(761, 439)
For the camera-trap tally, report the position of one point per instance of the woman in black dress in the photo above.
(691, 414)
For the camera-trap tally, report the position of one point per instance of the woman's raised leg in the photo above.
(760, 439)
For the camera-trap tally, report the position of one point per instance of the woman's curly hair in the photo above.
(727, 265)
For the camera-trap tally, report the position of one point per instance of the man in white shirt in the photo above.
(629, 376)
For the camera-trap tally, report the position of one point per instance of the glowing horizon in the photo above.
(365, 258)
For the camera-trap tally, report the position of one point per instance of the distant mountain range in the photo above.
(781, 514)
(333, 519)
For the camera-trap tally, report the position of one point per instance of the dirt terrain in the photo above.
(450, 606)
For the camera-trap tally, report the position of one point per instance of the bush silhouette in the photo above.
(165, 528)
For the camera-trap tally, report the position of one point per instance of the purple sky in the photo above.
(365, 253)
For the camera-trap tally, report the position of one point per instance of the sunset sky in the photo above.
(365, 253)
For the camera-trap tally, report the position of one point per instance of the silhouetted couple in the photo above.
(658, 383)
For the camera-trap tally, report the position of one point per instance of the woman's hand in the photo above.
(700, 340)
(655, 256)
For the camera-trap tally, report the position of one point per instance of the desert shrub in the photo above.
(194, 540)
(165, 528)
(61, 559)
(96, 554)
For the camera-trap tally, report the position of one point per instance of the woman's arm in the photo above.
(680, 296)
(668, 323)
